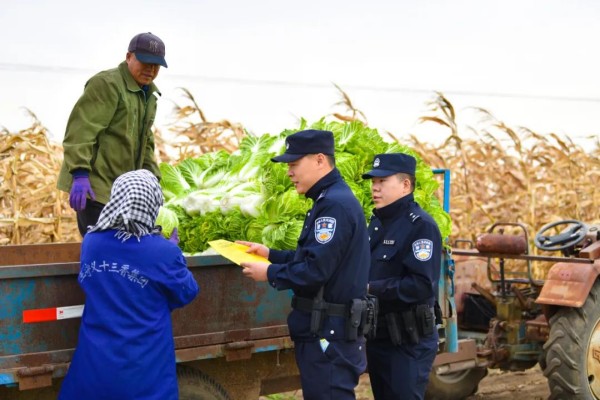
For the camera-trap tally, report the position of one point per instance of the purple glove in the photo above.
(79, 190)
(174, 237)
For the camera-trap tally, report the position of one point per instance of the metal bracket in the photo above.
(238, 350)
(35, 377)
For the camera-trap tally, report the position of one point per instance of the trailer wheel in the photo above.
(572, 350)
(455, 385)
(196, 385)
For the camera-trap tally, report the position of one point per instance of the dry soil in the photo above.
(498, 385)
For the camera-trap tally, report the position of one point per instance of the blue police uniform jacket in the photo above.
(405, 256)
(125, 348)
(333, 250)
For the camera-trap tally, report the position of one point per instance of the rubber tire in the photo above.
(568, 346)
(455, 386)
(196, 385)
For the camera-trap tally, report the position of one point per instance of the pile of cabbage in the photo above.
(246, 196)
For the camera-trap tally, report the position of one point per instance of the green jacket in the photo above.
(109, 131)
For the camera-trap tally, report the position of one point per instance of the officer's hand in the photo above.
(174, 238)
(255, 248)
(256, 270)
(79, 191)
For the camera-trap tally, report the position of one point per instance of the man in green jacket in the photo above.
(109, 131)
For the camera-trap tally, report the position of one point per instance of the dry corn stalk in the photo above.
(498, 173)
(32, 209)
(355, 113)
(192, 134)
(501, 174)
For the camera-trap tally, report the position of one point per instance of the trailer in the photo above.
(231, 342)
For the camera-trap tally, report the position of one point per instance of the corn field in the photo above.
(498, 173)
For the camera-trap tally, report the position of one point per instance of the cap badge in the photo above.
(324, 229)
(287, 145)
(376, 163)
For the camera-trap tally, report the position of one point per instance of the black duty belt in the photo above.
(332, 309)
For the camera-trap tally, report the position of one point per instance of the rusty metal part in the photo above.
(218, 350)
(537, 330)
(238, 351)
(592, 251)
(497, 355)
(40, 253)
(451, 362)
(530, 257)
(526, 303)
(504, 244)
(484, 292)
(568, 284)
(35, 377)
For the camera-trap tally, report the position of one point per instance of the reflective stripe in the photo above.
(52, 314)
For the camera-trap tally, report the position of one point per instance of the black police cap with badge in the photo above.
(310, 141)
(391, 163)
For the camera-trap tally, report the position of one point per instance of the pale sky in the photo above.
(264, 64)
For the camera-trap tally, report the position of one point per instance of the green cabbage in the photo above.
(168, 220)
(246, 196)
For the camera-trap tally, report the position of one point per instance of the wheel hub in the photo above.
(593, 361)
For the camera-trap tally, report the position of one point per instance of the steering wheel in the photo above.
(567, 238)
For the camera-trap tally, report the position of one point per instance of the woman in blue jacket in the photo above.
(132, 278)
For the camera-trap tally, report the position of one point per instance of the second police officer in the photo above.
(327, 272)
(405, 268)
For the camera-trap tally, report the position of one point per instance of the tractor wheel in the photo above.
(573, 350)
(454, 386)
(195, 385)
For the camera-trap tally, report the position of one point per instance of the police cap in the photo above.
(390, 164)
(310, 141)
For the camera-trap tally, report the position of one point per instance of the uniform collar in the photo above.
(323, 183)
(394, 209)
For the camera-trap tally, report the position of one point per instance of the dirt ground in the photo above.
(530, 384)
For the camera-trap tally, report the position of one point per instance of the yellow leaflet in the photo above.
(234, 251)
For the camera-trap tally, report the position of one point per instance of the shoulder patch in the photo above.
(422, 249)
(324, 229)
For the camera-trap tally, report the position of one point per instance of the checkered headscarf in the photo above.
(135, 199)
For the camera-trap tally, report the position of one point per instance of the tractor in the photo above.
(507, 319)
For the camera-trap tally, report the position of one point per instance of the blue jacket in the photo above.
(125, 348)
(333, 250)
(406, 249)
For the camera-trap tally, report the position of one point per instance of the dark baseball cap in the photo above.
(310, 141)
(148, 48)
(390, 164)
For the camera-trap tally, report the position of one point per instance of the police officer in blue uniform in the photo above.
(405, 267)
(328, 271)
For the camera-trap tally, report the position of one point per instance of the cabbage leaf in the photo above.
(246, 196)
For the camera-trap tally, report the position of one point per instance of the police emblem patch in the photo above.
(324, 229)
(422, 249)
